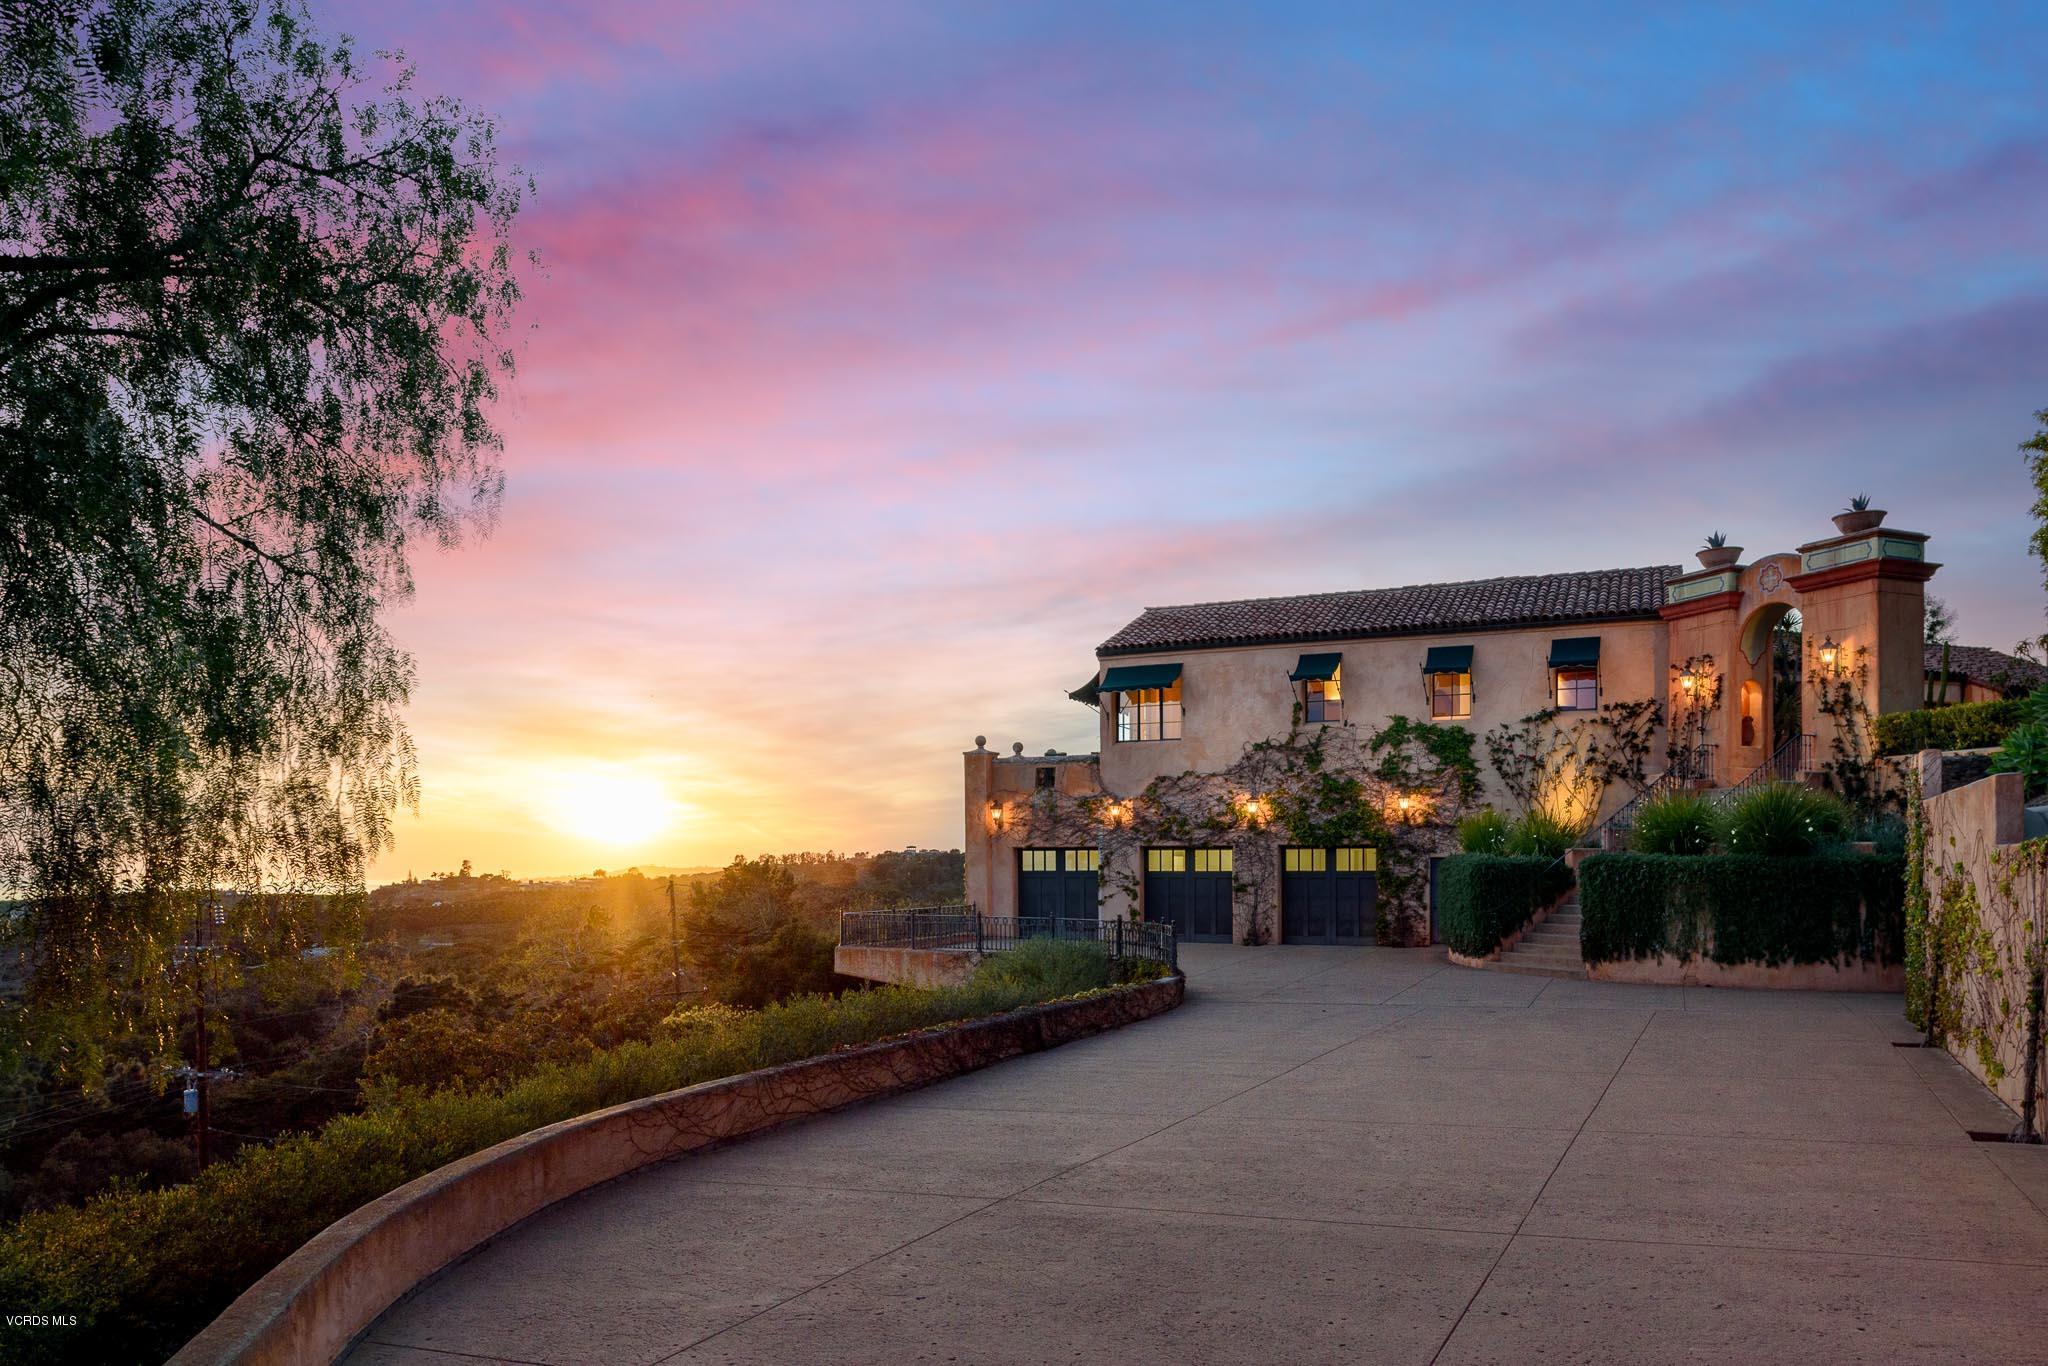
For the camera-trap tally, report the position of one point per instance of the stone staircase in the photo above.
(1552, 948)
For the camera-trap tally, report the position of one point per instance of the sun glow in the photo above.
(611, 808)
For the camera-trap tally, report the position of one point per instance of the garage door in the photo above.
(1190, 889)
(1057, 884)
(1327, 895)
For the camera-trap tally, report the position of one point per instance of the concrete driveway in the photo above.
(1326, 1155)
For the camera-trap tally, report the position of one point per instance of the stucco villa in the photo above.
(1186, 690)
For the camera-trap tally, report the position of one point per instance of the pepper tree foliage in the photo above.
(254, 312)
(1318, 786)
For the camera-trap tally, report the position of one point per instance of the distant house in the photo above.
(1977, 673)
(1185, 690)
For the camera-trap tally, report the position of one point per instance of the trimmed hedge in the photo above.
(1744, 908)
(144, 1270)
(1965, 725)
(1481, 899)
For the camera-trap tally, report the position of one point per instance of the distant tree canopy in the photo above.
(253, 318)
(747, 942)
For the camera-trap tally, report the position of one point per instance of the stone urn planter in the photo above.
(1851, 522)
(1720, 556)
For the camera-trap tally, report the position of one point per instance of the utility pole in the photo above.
(675, 948)
(200, 1075)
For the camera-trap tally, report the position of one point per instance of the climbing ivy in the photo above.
(1319, 786)
(1562, 763)
(1852, 770)
(1918, 985)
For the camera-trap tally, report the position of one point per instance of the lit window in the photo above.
(1084, 860)
(1357, 860)
(1039, 860)
(1166, 860)
(1325, 698)
(1212, 861)
(1450, 696)
(1308, 860)
(1149, 714)
(1578, 689)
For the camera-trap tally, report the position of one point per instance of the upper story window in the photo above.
(1575, 673)
(1447, 677)
(1146, 700)
(1148, 714)
(1578, 689)
(1046, 778)
(1322, 687)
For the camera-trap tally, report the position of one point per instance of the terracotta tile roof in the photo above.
(1428, 608)
(1982, 664)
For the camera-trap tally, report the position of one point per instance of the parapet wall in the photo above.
(315, 1303)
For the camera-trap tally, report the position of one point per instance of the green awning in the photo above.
(1448, 659)
(1575, 652)
(1089, 692)
(1322, 667)
(1132, 677)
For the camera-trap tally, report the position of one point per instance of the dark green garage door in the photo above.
(1057, 884)
(1327, 895)
(1190, 889)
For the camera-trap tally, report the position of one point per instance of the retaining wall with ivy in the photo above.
(1979, 928)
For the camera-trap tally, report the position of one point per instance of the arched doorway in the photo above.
(1770, 710)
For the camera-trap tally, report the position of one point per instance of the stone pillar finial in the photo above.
(1017, 747)
(980, 743)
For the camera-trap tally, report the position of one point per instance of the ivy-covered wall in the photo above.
(1977, 921)
(1323, 786)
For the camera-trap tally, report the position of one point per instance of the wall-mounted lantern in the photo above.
(1830, 653)
(1689, 681)
(1254, 810)
(1406, 803)
(998, 814)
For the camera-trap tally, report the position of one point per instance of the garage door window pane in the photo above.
(1212, 860)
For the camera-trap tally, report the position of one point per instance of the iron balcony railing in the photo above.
(960, 929)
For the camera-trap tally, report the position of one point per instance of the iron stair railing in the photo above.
(1786, 763)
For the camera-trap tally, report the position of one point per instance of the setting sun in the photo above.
(608, 807)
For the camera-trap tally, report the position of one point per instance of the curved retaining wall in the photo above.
(315, 1302)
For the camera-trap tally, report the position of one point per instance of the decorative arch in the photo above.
(1756, 632)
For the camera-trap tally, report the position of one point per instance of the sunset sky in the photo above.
(887, 357)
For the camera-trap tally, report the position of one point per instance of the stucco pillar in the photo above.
(980, 763)
(1867, 592)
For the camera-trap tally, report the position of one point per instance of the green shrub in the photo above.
(1542, 835)
(1484, 832)
(1967, 725)
(1676, 823)
(2025, 751)
(1737, 908)
(144, 1270)
(1051, 968)
(1785, 820)
(1481, 899)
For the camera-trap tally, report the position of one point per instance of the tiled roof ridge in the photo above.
(1670, 571)
(1622, 593)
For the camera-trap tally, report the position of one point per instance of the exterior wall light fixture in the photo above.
(1688, 681)
(1830, 653)
(997, 814)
